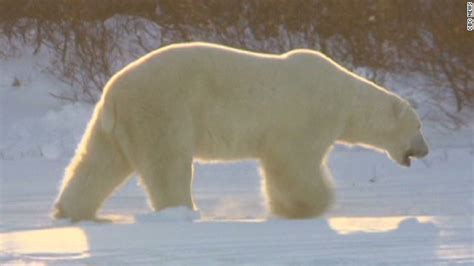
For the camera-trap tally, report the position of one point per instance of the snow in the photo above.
(384, 214)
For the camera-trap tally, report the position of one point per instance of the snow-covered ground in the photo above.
(384, 214)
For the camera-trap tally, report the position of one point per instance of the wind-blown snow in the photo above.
(384, 214)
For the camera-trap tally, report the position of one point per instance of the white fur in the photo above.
(210, 102)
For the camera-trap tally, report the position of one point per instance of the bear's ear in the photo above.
(398, 109)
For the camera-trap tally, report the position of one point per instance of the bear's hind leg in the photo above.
(96, 170)
(296, 186)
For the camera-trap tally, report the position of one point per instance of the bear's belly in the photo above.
(212, 144)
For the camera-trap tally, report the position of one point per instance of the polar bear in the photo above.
(211, 102)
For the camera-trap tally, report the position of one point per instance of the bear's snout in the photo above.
(420, 153)
(418, 147)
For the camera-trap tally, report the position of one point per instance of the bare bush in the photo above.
(91, 40)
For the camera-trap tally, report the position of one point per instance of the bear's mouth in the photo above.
(407, 158)
(410, 154)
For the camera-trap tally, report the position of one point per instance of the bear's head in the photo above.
(405, 139)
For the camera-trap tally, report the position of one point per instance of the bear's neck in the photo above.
(369, 112)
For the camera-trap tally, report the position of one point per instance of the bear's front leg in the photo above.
(168, 182)
(162, 148)
(296, 185)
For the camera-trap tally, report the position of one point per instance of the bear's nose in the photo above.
(419, 147)
(423, 153)
(419, 153)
